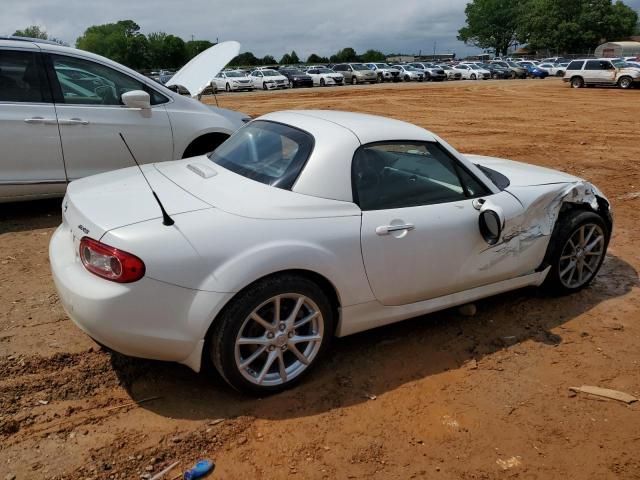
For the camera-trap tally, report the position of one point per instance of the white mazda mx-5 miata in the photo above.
(305, 225)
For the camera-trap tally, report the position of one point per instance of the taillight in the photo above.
(110, 263)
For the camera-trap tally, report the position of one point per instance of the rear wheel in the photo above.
(322, 83)
(227, 87)
(272, 334)
(577, 82)
(581, 242)
(264, 85)
(625, 82)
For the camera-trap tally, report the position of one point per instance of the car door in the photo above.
(91, 116)
(31, 155)
(256, 78)
(220, 81)
(420, 236)
(593, 72)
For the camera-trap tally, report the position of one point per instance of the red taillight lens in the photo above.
(110, 263)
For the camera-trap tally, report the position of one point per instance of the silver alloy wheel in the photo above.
(581, 255)
(279, 339)
(625, 82)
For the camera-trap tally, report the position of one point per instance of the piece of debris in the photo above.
(370, 396)
(130, 404)
(468, 310)
(605, 393)
(472, 364)
(43, 402)
(509, 463)
(629, 196)
(199, 470)
(10, 476)
(215, 422)
(509, 341)
(162, 473)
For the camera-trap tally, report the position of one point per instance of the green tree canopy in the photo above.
(290, 58)
(245, 59)
(166, 51)
(120, 41)
(575, 25)
(268, 60)
(492, 24)
(345, 55)
(196, 47)
(314, 58)
(373, 56)
(32, 31)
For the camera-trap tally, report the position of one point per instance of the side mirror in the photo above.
(491, 223)
(136, 99)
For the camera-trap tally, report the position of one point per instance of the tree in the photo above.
(33, 31)
(345, 55)
(314, 58)
(290, 58)
(196, 47)
(246, 59)
(268, 60)
(120, 41)
(491, 24)
(373, 56)
(575, 25)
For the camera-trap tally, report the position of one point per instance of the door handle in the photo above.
(73, 121)
(387, 229)
(40, 121)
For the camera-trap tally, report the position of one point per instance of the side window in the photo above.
(604, 65)
(398, 175)
(22, 77)
(575, 65)
(84, 82)
(592, 65)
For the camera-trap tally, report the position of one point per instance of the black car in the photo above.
(297, 78)
(497, 72)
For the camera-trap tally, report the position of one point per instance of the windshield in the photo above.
(270, 73)
(234, 74)
(325, 70)
(620, 64)
(381, 65)
(359, 66)
(474, 67)
(513, 64)
(267, 152)
(444, 67)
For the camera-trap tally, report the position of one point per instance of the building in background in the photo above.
(618, 49)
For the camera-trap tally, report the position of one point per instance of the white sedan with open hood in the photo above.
(306, 225)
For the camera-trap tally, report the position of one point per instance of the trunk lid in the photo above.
(94, 205)
(523, 174)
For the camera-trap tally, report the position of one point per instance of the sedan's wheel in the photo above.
(272, 334)
(581, 241)
(577, 82)
(407, 78)
(264, 85)
(625, 82)
(473, 76)
(354, 80)
(322, 82)
(227, 87)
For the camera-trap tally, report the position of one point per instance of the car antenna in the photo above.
(166, 219)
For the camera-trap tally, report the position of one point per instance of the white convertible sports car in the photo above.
(306, 225)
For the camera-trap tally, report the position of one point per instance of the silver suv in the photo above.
(355, 73)
(602, 71)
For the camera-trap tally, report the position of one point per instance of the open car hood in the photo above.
(196, 75)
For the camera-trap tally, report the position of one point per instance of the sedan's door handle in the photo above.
(40, 121)
(387, 229)
(74, 121)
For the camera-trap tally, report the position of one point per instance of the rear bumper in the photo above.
(147, 318)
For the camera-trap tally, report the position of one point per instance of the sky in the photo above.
(306, 26)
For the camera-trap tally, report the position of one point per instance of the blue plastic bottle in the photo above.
(200, 470)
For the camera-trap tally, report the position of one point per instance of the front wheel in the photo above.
(322, 82)
(473, 76)
(625, 82)
(272, 334)
(227, 87)
(577, 82)
(354, 80)
(581, 242)
(264, 85)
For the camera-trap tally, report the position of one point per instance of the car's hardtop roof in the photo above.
(367, 128)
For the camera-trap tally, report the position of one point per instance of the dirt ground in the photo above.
(438, 397)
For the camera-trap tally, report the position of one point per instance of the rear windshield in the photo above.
(267, 152)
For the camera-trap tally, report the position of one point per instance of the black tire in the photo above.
(577, 82)
(407, 78)
(567, 226)
(354, 80)
(625, 82)
(227, 87)
(264, 85)
(380, 78)
(322, 82)
(473, 76)
(559, 73)
(220, 346)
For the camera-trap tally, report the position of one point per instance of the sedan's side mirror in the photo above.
(136, 99)
(491, 223)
